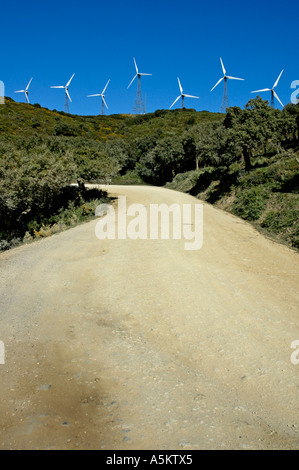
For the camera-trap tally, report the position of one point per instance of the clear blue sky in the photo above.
(97, 40)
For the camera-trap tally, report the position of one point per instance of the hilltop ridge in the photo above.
(33, 119)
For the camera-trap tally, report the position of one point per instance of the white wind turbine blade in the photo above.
(264, 89)
(275, 94)
(105, 86)
(68, 83)
(98, 94)
(175, 101)
(136, 66)
(27, 98)
(235, 78)
(132, 81)
(217, 83)
(224, 71)
(28, 84)
(68, 95)
(104, 102)
(190, 96)
(181, 88)
(276, 83)
(60, 86)
(20, 91)
(144, 74)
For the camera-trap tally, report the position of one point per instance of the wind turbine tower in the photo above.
(67, 95)
(103, 98)
(26, 91)
(139, 107)
(273, 92)
(182, 95)
(224, 104)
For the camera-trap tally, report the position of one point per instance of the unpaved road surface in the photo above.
(140, 344)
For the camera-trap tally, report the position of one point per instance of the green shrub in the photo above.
(131, 177)
(67, 130)
(184, 181)
(285, 214)
(250, 204)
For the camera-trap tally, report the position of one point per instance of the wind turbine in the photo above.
(67, 95)
(225, 77)
(182, 95)
(138, 105)
(103, 97)
(26, 91)
(273, 93)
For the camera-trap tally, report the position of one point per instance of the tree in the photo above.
(211, 147)
(30, 183)
(252, 129)
(163, 162)
(291, 121)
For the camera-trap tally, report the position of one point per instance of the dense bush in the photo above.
(283, 218)
(35, 185)
(250, 204)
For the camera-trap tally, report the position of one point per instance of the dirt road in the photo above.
(140, 344)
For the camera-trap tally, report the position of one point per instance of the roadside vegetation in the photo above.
(245, 162)
(249, 166)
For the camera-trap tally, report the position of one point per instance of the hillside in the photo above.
(23, 120)
(246, 162)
